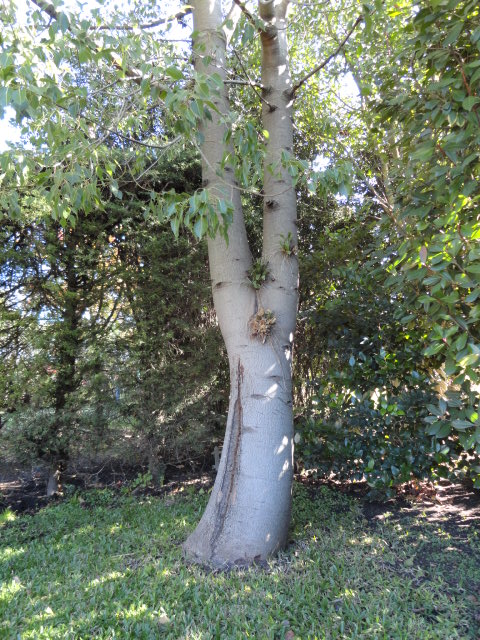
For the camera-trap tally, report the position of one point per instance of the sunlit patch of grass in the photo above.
(7, 516)
(111, 566)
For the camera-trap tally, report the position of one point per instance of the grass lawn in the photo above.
(103, 565)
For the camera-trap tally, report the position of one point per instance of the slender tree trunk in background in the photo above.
(248, 514)
(68, 344)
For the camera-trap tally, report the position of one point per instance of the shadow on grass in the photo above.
(111, 567)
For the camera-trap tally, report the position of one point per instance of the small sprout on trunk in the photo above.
(261, 324)
(287, 245)
(258, 273)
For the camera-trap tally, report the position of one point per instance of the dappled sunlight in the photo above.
(10, 553)
(271, 391)
(285, 468)
(113, 575)
(115, 528)
(10, 589)
(282, 446)
(335, 573)
(7, 516)
(85, 530)
(140, 609)
(270, 370)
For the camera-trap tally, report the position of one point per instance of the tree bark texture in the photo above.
(248, 513)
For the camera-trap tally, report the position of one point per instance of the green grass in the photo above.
(109, 566)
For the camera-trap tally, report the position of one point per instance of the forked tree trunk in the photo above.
(248, 514)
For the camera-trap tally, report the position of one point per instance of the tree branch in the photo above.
(323, 64)
(266, 9)
(50, 10)
(47, 8)
(245, 83)
(133, 74)
(249, 16)
(148, 25)
(254, 85)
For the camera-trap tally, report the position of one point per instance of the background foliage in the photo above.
(108, 339)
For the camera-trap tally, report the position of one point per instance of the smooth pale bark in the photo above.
(248, 513)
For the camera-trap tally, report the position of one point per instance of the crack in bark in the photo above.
(232, 463)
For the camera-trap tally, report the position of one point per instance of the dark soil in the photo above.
(432, 514)
(454, 507)
(25, 491)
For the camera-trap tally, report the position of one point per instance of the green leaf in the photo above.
(200, 227)
(175, 225)
(435, 410)
(433, 349)
(453, 34)
(461, 341)
(63, 22)
(467, 361)
(424, 152)
(435, 428)
(470, 102)
(174, 72)
(461, 425)
(444, 430)
(475, 77)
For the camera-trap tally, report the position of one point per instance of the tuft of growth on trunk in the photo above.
(258, 273)
(261, 324)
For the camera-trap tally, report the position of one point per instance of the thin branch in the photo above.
(143, 144)
(131, 73)
(323, 64)
(254, 85)
(247, 13)
(47, 8)
(114, 132)
(245, 83)
(50, 10)
(148, 25)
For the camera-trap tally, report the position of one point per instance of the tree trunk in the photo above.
(68, 343)
(53, 482)
(156, 468)
(248, 514)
